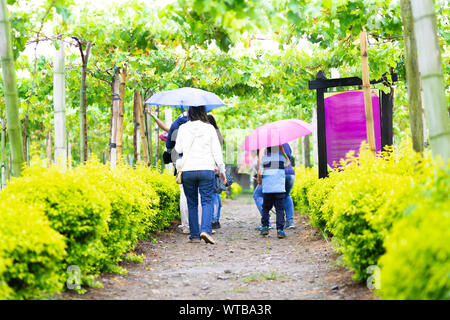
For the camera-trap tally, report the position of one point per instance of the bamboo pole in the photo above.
(431, 74)
(10, 91)
(59, 101)
(412, 77)
(123, 76)
(366, 88)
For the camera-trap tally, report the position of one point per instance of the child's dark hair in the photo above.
(198, 113)
(273, 149)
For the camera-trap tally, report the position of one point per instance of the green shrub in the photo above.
(304, 179)
(369, 195)
(316, 197)
(75, 208)
(235, 189)
(168, 191)
(31, 253)
(134, 203)
(97, 213)
(416, 264)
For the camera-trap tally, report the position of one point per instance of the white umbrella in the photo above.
(186, 97)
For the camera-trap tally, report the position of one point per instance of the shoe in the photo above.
(281, 234)
(259, 227)
(213, 231)
(194, 240)
(183, 230)
(264, 231)
(208, 239)
(216, 225)
(289, 225)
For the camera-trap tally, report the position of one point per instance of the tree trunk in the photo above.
(412, 77)
(157, 137)
(299, 153)
(3, 153)
(59, 101)
(69, 151)
(83, 125)
(314, 142)
(10, 91)
(114, 118)
(366, 88)
(430, 68)
(48, 141)
(9, 169)
(142, 128)
(306, 152)
(123, 76)
(148, 134)
(137, 127)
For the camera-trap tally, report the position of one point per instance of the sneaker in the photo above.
(259, 227)
(281, 234)
(289, 225)
(264, 231)
(216, 225)
(208, 239)
(183, 230)
(194, 240)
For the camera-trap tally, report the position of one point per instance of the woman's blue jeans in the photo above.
(194, 182)
(288, 203)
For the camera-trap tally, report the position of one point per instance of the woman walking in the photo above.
(198, 142)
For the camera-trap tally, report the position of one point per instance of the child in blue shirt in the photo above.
(271, 176)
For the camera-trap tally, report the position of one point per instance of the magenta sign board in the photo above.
(345, 124)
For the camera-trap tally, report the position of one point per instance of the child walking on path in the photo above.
(272, 177)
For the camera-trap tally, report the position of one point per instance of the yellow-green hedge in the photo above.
(31, 252)
(359, 204)
(416, 264)
(98, 213)
(236, 190)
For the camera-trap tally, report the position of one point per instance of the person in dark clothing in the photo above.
(216, 201)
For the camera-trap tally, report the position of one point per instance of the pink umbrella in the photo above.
(277, 133)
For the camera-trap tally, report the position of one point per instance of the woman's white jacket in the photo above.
(200, 146)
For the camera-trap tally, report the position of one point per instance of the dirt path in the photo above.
(242, 265)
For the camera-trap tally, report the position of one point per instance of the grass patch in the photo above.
(263, 276)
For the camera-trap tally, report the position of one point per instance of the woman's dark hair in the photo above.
(213, 122)
(198, 113)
